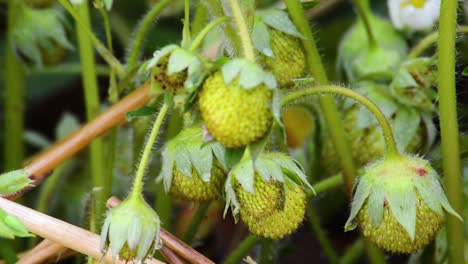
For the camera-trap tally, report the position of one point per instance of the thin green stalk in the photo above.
(197, 218)
(325, 185)
(242, 249)
(69, 69)
(449, 128)
(142, 30)
(243, 31)
(428, 41)
(137, 187)
(200, 18)
(267, 254)
(164, 206)
(363, 9)
(327, 103)
(391, 148)
(201, 36)
(122, 31)
(91, 92)
(353, 253)
(374, 254)
(100, 48)
(186, 29)
(13, 152)
(320, 234)
(49, 187)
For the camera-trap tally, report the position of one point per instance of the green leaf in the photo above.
(402, 201)
(261, 38)
(35, 139)
(359, 197)
(179, 60)
(14, 181)
(140, 112)
(279, 20)
(244, 172)
(406, 125)
(375, 203)
(11, 226)
(68, 124)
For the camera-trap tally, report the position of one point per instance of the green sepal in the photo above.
(168, 159)
(182, 160)
(261, 37)
(244, 171)
(406, 125)
(231, 199)
(233, 156)
(279, 20)
(202, 160)
(360, 195)
(14, 181)
(108, 4)
(157, 56)
(431, 130)
(375, 203)
(277, 116)
(143, 111)
(402, 202)
(428, 189)
(249, 73)
(11, 226)
(291, 168)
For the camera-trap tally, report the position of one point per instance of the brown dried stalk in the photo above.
(46, 252)
(173, 242)
(41, 166)
(61, 232)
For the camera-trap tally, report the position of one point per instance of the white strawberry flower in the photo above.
(414, 14)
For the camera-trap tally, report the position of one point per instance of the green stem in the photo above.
(137, 187)
(49, 187)
(100, 48)
(353, 253)
(325, 185)
(197, 218)
(164, 206)
(374, 254)
(186, 29)
(143, 28)
(122, 31)
(449, 127)
(363, 9)
(199, 38)
(391, 148)
(320, 234)
(13, 152)
(327, 103)
(243, 30)
(200, 19)
(91, 92)
(242, 249)
(428, 41)
(267, 254)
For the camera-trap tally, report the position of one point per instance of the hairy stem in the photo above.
(243, 30)
(91, 92)
(138, 181)
(186, 29)
(142, 30)
(242, 249)
(391, 148)
(363, 9)
(327, 103)
(69, 69)
(100, 48)
(200, 36)
(320, 234)
(429, 41)
(449, 127)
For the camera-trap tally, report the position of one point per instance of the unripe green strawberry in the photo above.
(398, 203)
(265, 199)
(166, 81)
(282, 221)
(194, 188)
(233, 115)
(289, 60)
(391, 235)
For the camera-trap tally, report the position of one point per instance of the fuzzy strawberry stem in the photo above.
(200, 36)
(100, 48)
(145, 25)
(391, 148)
(449, 127)
(363, 9)
(186, 39)
(429, 41)
(138, 181)
(243, 30)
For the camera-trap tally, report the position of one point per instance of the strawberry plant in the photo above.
(222, 130)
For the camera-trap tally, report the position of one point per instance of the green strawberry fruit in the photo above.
(265, 199)
(282, 221)
(194, 188)
(192, 169)
(289, 60)
(398, 203)
(166, 81)
(235, 116)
